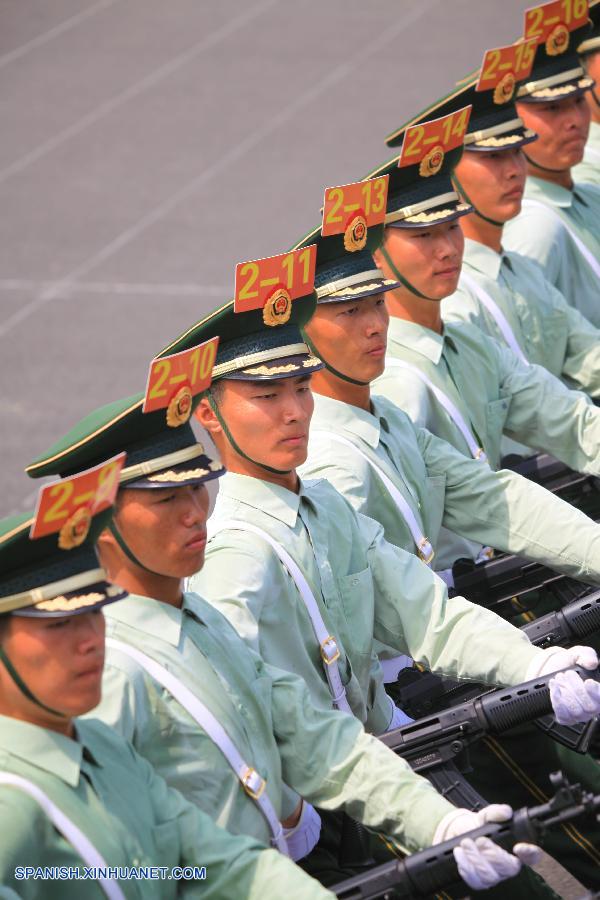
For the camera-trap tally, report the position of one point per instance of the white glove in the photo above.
(399, 717)
(304, 836)
(481, 863)
(573, 699)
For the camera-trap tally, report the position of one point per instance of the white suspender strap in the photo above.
(68, 829)
(585, 251)
(251, 781)
(424, 549)
(589, 151)
(496, 313)
(475, 450)
(327, 643)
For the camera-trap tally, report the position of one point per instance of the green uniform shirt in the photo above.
(366, 588)
(268, 715)
(588, 170)
(130, 816)
(550, 333)
(441, 485)
(539, 234)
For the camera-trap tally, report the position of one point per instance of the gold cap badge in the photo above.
(432, 162)
(557, 41)
(180, 407)
(75, 530)
(278, 308)
(355, 235)
(505, 89)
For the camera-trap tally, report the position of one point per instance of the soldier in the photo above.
(185, 689)
(589, 168)
(558, 223)
(502, 292)
(72, 792)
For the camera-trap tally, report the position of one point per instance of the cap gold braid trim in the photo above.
(532, 87)
(171, 475)
(591, 44)
(261, 356)
(168, 460)
(311, 362)
(341, 283)
(49, 591)
(272, 370)
(506, 140)
(381, 283)
(78, 601)
(474, 136)
(417, 208)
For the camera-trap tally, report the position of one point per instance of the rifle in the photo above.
(434, 869)
(431, 743)
(577, 620)
(503, 583)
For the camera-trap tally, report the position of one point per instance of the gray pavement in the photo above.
(148, 146)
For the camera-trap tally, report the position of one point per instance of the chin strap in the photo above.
(329, 367)
(112, 527)
(468, 200)
(536, 165)
(595, 96)
(233, 442)
(399, 277)
(23, 687)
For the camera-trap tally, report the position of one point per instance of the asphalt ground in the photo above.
(147, 147)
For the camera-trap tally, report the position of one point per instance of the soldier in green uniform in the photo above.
(502, 292)
(558, 223)
(589, 51)
(74, 794)
(185, 689)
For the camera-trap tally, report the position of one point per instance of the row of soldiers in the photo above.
(183, 691)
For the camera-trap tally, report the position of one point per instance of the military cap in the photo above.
(591, 42)
(494, 123)
(57, 573)
(345, 268)
(162, 450)
(420, 191)
(559, 29)
(260, 336)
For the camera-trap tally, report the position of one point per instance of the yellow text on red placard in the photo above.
(540, 21)
(256, 280)
(95, 490)
(516, 60)
(367, 198)
(446, 133)
(170, 373)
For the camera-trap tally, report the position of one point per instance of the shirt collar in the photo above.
(337, 414)
(44, 749)
(148, 616)
(418, 338)
(547, 192)
(482, 258)
(265, 496)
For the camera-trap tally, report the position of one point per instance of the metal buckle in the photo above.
(426, 557)
(250, 778)
(480, 454)
(329, 656)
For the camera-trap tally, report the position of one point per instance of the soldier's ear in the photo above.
(207, 418)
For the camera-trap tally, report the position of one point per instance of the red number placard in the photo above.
(446, 133)
(257, 279)
(516, 60)
(95, 490)
(169, 373)
(540, 21)
(368, 198)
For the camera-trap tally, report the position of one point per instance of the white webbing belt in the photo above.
(251, 781)
(69, 831)
(424, 549)
(475, 450)
(496, 313)
(585, 251)
(327, 643)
